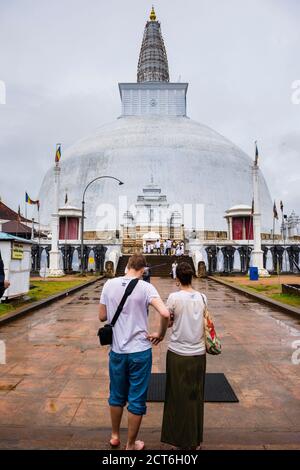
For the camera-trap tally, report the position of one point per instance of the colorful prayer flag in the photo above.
(31, 201)
(58, 154)
(281, 206)
(275, 213)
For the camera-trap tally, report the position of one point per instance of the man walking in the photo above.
(130, 358)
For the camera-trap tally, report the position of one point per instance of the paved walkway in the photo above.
(54, 387)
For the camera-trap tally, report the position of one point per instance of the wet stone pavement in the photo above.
(54, 385)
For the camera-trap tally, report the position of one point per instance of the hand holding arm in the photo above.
(160, 307)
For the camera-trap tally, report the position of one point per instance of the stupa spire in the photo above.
(153, 61)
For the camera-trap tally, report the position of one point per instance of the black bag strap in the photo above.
(127, 293)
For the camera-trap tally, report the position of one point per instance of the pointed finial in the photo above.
(152, 14)
(256, 154)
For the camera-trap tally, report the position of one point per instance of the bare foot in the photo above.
(138, 445)
(115, 440)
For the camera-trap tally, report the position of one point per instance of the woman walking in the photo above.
(186, 363)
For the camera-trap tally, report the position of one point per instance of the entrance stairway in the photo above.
(162, 265)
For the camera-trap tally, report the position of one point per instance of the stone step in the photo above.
(162, 265)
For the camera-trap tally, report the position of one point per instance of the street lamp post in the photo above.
(83, 208)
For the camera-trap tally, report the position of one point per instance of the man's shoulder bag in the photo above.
(105, 333)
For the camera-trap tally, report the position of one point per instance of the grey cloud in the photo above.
(61, 62)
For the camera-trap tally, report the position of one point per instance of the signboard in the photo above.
(17, 251)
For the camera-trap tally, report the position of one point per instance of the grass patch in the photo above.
(5, 308)
(40, 290)
(293, 300)
(263, 289)
(273, 292)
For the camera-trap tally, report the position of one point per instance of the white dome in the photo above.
(191, 163)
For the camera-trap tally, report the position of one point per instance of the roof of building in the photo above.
(14, 226)
(6, 213)
(8, 237)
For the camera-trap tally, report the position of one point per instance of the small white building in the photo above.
(16, 256)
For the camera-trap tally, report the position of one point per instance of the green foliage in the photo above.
(289, 299)
(42, 289)
(274, 292)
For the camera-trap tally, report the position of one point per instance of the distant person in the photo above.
(173, 249)
(178, 250)
(165, 247)
(161, 248)
(182, 425)
(157, 247)
(147, 274)
(130, 358)
(3, 283)
(182, 248)
(149, 248)
(169, 246)
(174, 268)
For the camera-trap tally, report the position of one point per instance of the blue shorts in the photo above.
(129, 379)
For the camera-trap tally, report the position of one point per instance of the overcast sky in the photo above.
(61, 61)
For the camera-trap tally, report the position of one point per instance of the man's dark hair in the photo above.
(137, 262)
(184, 273)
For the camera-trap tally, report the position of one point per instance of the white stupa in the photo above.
(190, 162)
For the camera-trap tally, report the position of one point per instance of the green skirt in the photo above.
(184, 401)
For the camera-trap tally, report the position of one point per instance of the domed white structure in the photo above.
(153, 137)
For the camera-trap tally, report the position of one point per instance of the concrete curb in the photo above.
(44, 303)
(294, 311)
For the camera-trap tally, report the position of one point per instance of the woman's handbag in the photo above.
(106, 332)
(212, 342)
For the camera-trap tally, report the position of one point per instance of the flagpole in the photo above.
(54, 264)
(282, 222)
(39, 227)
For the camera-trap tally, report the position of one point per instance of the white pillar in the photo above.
(257, 253)
(54, 268)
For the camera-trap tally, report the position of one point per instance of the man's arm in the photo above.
(160, 307)
(103, 303)
(102, 312)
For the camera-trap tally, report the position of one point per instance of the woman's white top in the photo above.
(187, 338)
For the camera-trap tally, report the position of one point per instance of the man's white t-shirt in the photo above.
(187, 338)
(131, 329)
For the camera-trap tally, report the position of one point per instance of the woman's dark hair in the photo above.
(184, 273)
